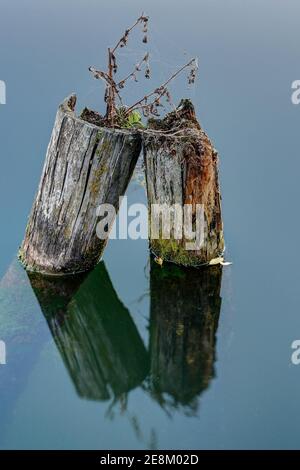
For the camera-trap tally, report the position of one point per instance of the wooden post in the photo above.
(185, 309)
(85, 166)
(181, 168)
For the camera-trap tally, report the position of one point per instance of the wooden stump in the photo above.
(185, 310)
(181, 169)
(85, 166)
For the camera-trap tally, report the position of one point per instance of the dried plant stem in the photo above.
(136, 69)
(158, 91)
(127, 32)
(109, 82)
(110, 111)
(113, 87)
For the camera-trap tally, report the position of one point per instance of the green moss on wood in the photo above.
(95, 185)
(174, 251)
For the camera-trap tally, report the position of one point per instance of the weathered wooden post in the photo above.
(86, 165)
(181, 169)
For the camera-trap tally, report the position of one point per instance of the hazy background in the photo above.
(248, 56)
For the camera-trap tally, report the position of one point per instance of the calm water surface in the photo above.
(131, 355)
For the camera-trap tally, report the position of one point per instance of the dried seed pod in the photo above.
(96, 73)
(114, 63)
(106, 95)
(192, 74)
(159, 91)
(124, 39)
(146, 111)
(168, 96)
(152, 109)
(147, 73)
(145, 39)
(121, 84)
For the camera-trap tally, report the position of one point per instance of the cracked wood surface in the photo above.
(183, 169)
(85, 166)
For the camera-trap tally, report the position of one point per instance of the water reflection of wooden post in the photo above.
(94, 333)
(185, 308)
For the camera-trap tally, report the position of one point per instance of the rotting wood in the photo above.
(181, 167)
(85, 166)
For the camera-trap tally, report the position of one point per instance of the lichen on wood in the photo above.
(85, 166)
(181, 167)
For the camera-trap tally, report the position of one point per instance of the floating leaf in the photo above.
(218, 260)
(159, 261)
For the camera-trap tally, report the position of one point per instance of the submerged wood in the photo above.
(85, 166)
(181, 167)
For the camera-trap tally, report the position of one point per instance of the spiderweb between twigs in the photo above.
(164, 62)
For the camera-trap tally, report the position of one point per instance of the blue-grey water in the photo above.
(128, 357)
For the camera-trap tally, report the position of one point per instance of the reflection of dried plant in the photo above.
(150, 103)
